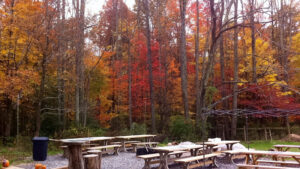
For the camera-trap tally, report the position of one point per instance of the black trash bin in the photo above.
(40, 148)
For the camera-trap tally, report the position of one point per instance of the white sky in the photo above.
(94, 6)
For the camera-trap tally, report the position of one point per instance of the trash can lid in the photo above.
(40, 139)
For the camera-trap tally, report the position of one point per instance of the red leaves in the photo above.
(264, 96)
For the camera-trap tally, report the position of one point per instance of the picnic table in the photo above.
(165, 151)
(74, 148)
(123, 139)
(285, 147)
(229, 144)
(257, 154)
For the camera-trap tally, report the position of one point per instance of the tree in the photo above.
(183, 59)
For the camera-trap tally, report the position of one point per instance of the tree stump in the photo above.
(99, 153)
(75, 154)
(91, 161)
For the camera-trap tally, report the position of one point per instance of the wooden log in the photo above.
(91, 161)
(99, 153)
(75, 155)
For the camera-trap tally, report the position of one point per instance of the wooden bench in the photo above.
(103, 148)
(154, 158)
(187, 162)
(145, 144)
(126, 142)
(279, 162)
(246, 166)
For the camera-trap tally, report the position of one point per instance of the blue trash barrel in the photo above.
(40, 148)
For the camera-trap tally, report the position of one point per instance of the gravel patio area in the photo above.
(122, 161)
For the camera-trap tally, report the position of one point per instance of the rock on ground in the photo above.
(292, 137)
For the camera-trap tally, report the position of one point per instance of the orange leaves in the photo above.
(21, 81)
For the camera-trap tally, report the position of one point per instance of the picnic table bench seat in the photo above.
(187, 162)
(103, 148)
(150, 158)
(246, 166)
(127, 142)
(145, 144)
(278, 162)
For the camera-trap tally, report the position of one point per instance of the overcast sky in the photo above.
(94, 6)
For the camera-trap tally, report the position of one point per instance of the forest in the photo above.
(182, 68)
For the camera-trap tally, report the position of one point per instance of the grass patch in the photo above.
(266, 145)
(17, 155)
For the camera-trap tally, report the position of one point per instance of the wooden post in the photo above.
(270, 132)
(99, 153)
(75, 155)
(266, 134)
(91, 161)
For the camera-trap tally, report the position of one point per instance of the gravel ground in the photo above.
(122, 161)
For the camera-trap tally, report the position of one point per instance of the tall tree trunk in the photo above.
(253, 40)
(283, 50)
(60, 61)
(235, 76)
(149, 60)
(129, 70)
(83, 96)
(77, 64)
(183, 60)
(8, 100)
(44, 70)
(79, 91)
(222, 70)
(197, 81)
(206, 73)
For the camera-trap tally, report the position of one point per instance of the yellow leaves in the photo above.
(270, 78)
(295, 60)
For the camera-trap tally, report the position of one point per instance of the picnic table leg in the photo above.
(123, 146)
(230, 146)
(247, 159)
(105, 143)
(210, 149)
(192, 152)
(147, 164)
(134, 147)
(75, 157)
(297, 159)
(255, 158)
(163, 161)
(186, 166)
(116, 151)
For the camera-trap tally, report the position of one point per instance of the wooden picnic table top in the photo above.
(87, 139)
(213, 143)
(287, 146)
(135, 136)
(169, 149)
(269, 153)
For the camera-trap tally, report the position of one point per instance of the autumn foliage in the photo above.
(42, 76)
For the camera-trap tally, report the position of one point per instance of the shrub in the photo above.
(50, 125)
(138, 128)
(119, 124)
(181, 129)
